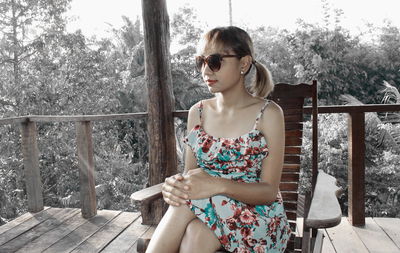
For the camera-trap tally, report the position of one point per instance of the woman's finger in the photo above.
(174, 197)
(174, 182)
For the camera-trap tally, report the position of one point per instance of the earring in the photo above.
(241, 72)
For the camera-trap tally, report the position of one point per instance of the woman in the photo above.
(228, 197)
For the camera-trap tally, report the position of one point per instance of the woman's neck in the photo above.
(233, 99)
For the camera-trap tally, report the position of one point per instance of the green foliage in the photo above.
(382, 180)
(45, 70)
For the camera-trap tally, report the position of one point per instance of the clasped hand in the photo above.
(195, 184)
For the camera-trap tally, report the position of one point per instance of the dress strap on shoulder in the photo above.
(200, 107)
(261, 113)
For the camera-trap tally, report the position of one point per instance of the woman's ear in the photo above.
(245, 63)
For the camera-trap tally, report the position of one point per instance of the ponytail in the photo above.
(262, 85)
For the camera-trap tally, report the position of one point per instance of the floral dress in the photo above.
(238, 226)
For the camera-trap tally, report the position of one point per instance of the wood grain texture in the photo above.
(54, 235)
(84, 145)
(28, 224)
(35, 232)
(375, 239)
(106, 234)
(345, 239)
(325, 209)
(30, 153)
(4, 228)
(356, 168)
(391, 226)
(83, 232)
(125, 241)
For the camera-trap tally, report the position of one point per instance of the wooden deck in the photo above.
(64, 230)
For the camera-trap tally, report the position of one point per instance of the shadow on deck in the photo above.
(64, 230)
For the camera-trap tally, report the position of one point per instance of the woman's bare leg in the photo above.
(199, 238)
(168, 235)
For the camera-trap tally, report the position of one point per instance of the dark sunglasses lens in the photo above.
(199, 62)
(214, 62)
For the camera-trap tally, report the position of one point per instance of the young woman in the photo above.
(228, 196)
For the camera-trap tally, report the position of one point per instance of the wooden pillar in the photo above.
(161, 132)
(30, 153)
(86, 168)
(356, 168)
(161, 98)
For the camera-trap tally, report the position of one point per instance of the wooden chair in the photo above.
(321, 207)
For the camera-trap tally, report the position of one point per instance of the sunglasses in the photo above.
(213, 61)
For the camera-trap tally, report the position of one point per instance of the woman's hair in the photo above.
(236, 39)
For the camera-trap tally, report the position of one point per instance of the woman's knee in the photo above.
(197, 238)
(192, 236)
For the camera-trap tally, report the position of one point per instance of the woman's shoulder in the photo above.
(272, 115)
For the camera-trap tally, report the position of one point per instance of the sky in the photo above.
(94, 17)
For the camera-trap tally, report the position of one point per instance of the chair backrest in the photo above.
(291, 98)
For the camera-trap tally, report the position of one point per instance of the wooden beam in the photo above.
(356, 168)
(86, 168)
(160, 124)
(159, 83)
(30, 153)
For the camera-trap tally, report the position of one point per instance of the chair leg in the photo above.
(306, 242)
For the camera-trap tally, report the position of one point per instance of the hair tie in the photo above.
(254, 62)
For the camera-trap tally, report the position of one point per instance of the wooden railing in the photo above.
(83, 124)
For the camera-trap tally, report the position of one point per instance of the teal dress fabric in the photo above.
(238, 226)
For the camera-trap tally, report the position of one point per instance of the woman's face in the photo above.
(227, 77)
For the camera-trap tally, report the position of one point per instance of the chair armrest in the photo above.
(324, 210)
(147, 195)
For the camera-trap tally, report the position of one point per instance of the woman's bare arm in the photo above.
(173, 190)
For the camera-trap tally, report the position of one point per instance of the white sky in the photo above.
(92, 16)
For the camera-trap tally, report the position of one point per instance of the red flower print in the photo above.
(246, 232)
(206, 145)
(224, 202)
(224, 239)
(231, 222)
(214, 227)
(237, 213)
(233, 206)
(259, 249)
(247, 217)
(274, 224)
(243, 250)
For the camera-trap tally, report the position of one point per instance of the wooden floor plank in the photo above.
(345, 239)
(4, 228)
(80, 234)
(391, 226)
(36, 231)
(127, 238)
(327, 246)
(149, 231)
(106, 234)
(375, 239)
(52, 236)
(28, 224)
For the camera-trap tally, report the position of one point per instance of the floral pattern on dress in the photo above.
(238, 226)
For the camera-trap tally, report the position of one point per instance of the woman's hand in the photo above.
(201, 185)
(174, 190)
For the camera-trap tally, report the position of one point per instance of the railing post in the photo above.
(356, 168)
(86, 168)
(30, 153)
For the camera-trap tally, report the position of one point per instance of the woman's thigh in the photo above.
(199, 238)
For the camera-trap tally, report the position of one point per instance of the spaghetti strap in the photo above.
(261, 112)
(201, 112)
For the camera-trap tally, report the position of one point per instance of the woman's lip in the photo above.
(210, 82)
